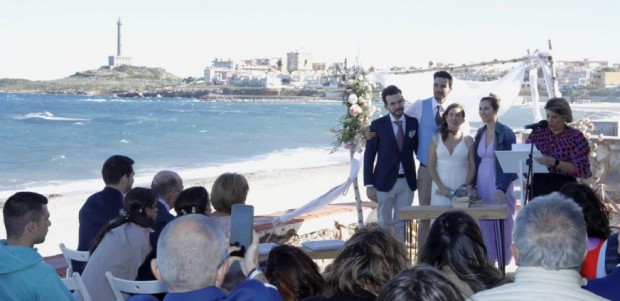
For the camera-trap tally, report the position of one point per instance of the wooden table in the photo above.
(425, 212)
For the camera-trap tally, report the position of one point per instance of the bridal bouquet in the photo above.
(470, 192)
(357, 97)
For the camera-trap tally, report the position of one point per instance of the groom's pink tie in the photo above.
(400, 134)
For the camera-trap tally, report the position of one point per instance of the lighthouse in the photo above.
(118, 59)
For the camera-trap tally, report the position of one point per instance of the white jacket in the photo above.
(536, 283)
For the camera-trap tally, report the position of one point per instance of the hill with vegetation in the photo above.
(101, 81)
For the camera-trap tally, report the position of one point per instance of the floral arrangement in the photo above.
(586, 127)
(470, 192)
(357, 97)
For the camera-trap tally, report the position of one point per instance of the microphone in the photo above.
(541, 124)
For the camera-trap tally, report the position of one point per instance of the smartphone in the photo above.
(242, 225)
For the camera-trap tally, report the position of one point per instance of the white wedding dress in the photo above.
(451, 168)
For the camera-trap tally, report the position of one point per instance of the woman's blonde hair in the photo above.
(229, 189)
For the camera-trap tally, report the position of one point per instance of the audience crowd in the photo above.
(561, 241)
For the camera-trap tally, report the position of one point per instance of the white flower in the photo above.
(355, 110)
(352, 98)
(360, 77)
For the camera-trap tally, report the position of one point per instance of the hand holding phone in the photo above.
(241, 227)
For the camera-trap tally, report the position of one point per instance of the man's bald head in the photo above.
(189, 251)
(167, 185)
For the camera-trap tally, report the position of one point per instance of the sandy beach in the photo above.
(270, 191)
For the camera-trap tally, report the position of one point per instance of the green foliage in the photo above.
(358, 99)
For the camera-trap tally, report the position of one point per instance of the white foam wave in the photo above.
(93, 100)
(279, 160)
(47, 116)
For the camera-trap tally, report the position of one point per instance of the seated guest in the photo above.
(549, 245)
(122, 245)
(420, 283)
(294, 273)
(193, 200)
(228, 189)
(102, 207)
(455, 246)
(564, 149)
(167, 185)
(23, 273)
(190, 250)
(597, 225)
(368, 260)
(607, 287)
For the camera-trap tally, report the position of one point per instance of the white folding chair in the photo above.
(70, 254)
(75, 283)
(323, 249)
(120, 286)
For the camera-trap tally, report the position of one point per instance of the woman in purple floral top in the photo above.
(564, 149)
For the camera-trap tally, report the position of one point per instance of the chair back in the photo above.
(120, 286)
(70, 254)
(75, 283)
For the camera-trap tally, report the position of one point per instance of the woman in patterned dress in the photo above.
(564, 150)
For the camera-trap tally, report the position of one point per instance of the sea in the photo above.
(55, 144)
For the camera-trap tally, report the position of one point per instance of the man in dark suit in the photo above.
(167, 185)
(392, 180)
(104, 206)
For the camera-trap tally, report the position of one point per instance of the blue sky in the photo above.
(44, 39)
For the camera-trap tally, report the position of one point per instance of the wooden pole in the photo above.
(358, 198)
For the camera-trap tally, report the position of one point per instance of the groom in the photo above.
(391, 182)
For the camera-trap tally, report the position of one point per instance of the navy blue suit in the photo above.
(384, 148)
(98, 210)
(606, 287)
(394, 191)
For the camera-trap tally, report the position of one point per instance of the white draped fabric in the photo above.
(468, 93)
(327, 197)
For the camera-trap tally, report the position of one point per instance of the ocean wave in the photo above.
(284, 159)
(47, 116)
(93, 100)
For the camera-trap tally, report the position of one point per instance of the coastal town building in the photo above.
(605, 79)
(299, 61)
(118, 59)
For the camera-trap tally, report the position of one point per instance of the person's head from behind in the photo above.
(228, 189)
(118, 171)
(26, 218)
(294, 273)
(189, 250)
(420, 283)
(594, 211)
(454, 240)
(193, 200)
(139, 207)
(368, 260)
(167, 185)
(442, 85)
(550, 232)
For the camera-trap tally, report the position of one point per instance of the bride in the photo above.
(450, 156)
